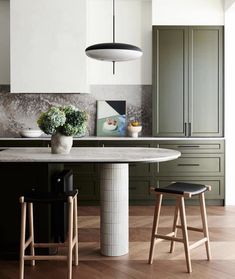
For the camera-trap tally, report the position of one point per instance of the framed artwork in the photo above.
(111, 118)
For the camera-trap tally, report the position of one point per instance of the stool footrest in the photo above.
(46, 245)
(198, 243)
(46, 257)
(169, 236)
(190, 228)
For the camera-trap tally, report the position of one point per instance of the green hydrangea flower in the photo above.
(68, 120)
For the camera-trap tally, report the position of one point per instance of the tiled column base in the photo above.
(114, 197)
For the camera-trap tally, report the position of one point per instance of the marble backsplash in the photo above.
(19, 111)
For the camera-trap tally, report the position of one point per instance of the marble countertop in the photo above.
(113, 138)
(89, 154)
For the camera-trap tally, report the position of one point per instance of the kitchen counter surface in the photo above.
(89, 154)
(94, 138)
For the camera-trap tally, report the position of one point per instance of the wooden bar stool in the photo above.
(181, 190)
(72, 239)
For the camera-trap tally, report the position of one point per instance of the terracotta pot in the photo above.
(61, 144)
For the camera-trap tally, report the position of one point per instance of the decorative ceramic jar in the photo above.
(61, 144)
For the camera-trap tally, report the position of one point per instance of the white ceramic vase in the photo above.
(61, 144)
(133, 131)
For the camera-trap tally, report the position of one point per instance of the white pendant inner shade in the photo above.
(114, 52)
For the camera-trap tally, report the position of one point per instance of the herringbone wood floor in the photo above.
(134, 265)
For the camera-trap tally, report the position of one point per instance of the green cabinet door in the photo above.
(205, 81)
(170, 58)
(188, 81)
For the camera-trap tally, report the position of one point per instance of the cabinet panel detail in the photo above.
(188, 81)
(170, 58)
(205, 81)
(201, 164)
(195, 147)
(139, 189)
(88, 189)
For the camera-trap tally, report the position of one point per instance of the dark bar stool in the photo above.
(180, 191)
(72, 240)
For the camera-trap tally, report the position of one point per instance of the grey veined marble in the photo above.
(19, 111)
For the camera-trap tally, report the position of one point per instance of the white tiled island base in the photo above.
(114, 198)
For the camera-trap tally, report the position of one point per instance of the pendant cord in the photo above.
(113, 32)
(113, 21)
(113, 67)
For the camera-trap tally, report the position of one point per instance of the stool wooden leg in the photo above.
(70, 236)
(175, 222)
(22, 237)
(185, 233)
(204, 224)
(31, 232)
(155, 226)
(75, 230)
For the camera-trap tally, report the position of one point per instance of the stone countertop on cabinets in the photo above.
(94, 138)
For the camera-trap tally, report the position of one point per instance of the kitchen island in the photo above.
(114, 181)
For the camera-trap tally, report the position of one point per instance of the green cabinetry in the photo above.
(188, 81)
(201, 161)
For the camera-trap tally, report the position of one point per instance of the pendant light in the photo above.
(114, 52)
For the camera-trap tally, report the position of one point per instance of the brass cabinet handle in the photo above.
(191, 165)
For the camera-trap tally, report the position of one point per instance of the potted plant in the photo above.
(63, 123)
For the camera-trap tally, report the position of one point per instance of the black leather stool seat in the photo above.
(46, 197)
(180, 188)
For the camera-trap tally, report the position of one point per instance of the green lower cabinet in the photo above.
(215, 196)
(141, 169)
(88, 188)
(139, 190)
(83, 169)
(86, 180)
(194, 146)
(194, 164)
(201, 161)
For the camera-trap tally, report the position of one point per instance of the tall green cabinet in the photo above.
(188, 81)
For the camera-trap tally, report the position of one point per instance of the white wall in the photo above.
(4, 42)
(188, 12)
(133, 26)
(48, 39)
(230, 100)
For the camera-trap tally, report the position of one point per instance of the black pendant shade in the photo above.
(114, 52)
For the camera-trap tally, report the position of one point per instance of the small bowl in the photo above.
(30, 133)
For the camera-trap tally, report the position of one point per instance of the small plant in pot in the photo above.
(63, 123)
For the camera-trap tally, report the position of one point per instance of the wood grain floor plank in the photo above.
(92, 265)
